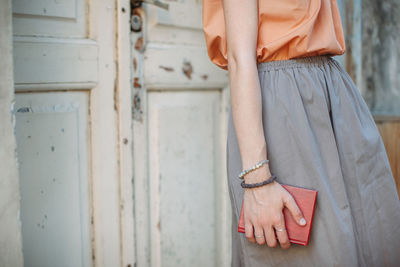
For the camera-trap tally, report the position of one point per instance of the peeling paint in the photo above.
(136, 101)
(187, 69)
(24, 109)
(139, 45)
(134, 64)
(136, 108)
(166, 68)
(136, 83)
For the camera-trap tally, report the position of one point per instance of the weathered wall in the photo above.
(10, 229)
(381, 55)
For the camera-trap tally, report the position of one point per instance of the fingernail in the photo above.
(302, 221)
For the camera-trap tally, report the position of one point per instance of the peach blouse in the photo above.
(287, 29)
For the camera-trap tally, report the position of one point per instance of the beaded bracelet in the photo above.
(268, 181)
(256, 166)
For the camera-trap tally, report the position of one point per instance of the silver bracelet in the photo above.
(256, 166)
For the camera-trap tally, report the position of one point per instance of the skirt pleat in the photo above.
(320, 134)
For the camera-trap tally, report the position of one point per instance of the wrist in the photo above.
(261, 188)
(252, 156)
(258, 175)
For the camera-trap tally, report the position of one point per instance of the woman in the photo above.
(293, 104)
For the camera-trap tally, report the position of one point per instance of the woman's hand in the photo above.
(263, 208)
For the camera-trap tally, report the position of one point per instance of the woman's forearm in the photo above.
(262, 205)
(241, 21)
(247, 115)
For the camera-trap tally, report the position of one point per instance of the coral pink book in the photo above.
(305, 199)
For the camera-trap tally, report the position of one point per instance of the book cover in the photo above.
(306, 200)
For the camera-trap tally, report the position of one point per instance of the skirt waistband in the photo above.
(294, 62)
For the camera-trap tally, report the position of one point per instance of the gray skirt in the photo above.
(320, 134)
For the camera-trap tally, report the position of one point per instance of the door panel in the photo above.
(189, 68)
(52, 136)
(181, 100)
(50, 18)
(59, 9)
(184, 129)
(55, 63)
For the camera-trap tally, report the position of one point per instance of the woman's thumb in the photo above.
(291, 204)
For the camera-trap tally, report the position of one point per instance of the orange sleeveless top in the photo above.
(287, 29)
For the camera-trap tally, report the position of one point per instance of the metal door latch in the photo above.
(138, 3)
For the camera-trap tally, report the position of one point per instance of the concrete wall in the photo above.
(10, 227)
(381, 55)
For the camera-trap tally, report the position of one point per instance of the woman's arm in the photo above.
(263, 205)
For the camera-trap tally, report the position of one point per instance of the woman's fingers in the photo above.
(270, 236)
(259, 234)
(279, 225)
(249, 232)
(291, 204)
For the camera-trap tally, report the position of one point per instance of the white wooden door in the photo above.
(182, 210)
(73, 132)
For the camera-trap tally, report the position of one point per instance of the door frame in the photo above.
(110, 104)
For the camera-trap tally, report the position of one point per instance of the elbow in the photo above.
(241, 60)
